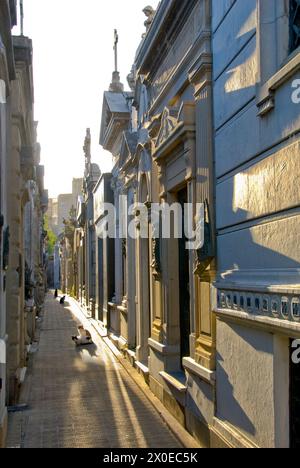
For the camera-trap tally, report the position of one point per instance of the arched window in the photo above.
(294, 24)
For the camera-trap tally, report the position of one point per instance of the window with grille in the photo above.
(294, 24)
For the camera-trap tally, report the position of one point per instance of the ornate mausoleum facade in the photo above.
(160, 134)
(174, 67)
(210, 120)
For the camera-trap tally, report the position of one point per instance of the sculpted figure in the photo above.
(87, 146)
(150, 13)
(131, 79)
(143, 104)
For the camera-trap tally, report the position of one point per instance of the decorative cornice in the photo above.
(156, 27)
(180, 76)
(264, 322)
(200, 74)
(269, 281)
(169, 19)
(117, 125)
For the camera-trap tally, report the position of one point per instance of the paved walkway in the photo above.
(82, 398)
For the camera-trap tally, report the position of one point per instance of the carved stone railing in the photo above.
(277, 306)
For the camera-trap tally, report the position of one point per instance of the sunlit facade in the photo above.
(160, 135)
(211, 117)
(256, 61)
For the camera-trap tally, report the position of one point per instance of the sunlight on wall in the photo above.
(250, 191)
(242, 76)
(240, 197)
(249, 25)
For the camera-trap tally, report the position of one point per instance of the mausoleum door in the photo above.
(100, 280)
(143, 277)
(184, 286)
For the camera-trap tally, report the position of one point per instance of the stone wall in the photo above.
(257, 202)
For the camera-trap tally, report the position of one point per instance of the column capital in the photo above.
(200, 74)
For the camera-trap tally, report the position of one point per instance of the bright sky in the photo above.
(73, 64)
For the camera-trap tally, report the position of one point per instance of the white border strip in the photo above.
(2, 352)
(2, 92)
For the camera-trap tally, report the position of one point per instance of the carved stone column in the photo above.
(156, 260)
(131, 274)
(205, 265)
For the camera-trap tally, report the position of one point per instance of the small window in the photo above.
(294, 24)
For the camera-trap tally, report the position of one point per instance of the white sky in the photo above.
(73, 64)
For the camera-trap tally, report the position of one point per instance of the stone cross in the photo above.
(116, 49)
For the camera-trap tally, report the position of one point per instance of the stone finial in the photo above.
(116, 86)
(150, 13)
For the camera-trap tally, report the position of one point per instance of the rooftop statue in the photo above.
(87, 147)
(150, 13)
(131, 79)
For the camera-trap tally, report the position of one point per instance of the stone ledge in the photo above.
(163, 349)
(114, 339)
(269, 281)
(122, 344)
(144, 369)
(230, 436)
(173, 381)
(191, 366)
(266, 323)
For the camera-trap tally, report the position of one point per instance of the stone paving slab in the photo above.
(82, 397)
